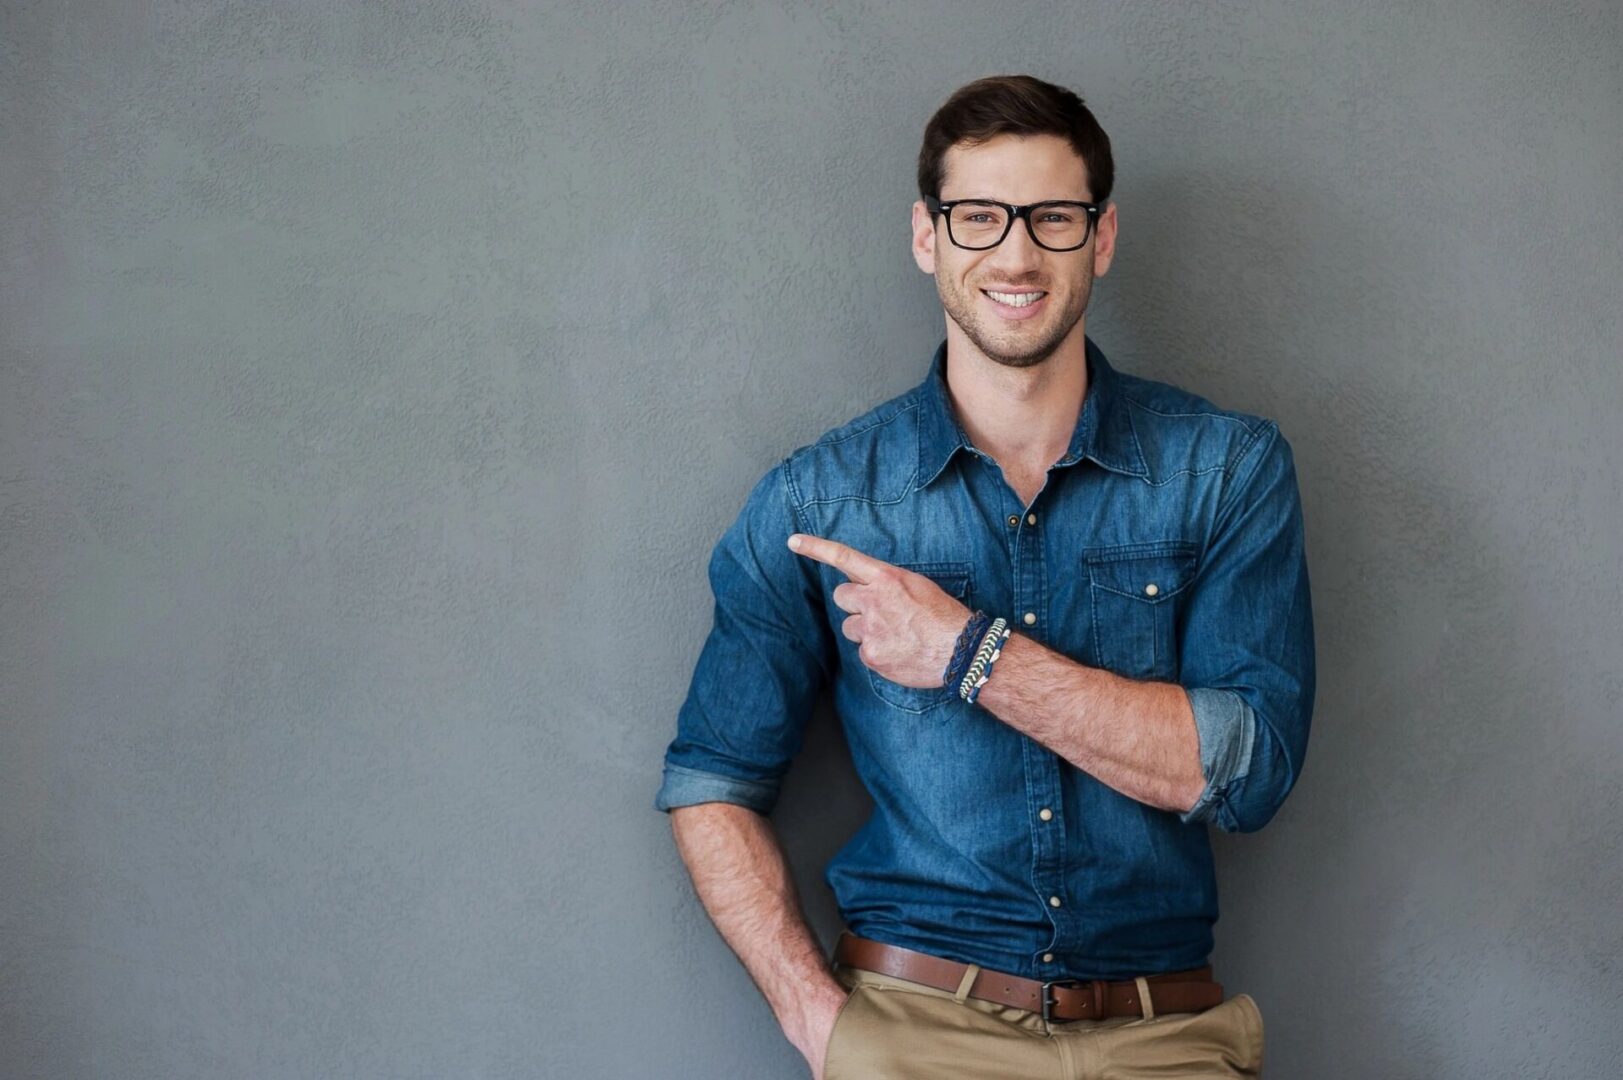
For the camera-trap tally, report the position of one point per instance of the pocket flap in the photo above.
(1150, 571)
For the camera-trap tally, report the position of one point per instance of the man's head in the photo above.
(1014, 139)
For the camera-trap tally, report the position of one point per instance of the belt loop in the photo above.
(966, 982)
(1144, 997)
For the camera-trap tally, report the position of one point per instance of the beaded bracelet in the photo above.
(964, 650)
(980, 669)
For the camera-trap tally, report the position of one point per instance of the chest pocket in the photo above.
(953, 577)
(1136, 591)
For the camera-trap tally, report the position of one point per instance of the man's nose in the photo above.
(1017, 250)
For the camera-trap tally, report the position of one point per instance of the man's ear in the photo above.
(1104, 242)
(923, 238)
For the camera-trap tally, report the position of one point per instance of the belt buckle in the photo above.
(1048, 995)
(1096, 985)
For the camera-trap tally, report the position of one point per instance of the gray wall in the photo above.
(375, 380)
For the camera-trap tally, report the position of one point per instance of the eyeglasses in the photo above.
(978, 224)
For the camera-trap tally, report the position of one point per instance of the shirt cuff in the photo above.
(1227, 727)
(685, 787)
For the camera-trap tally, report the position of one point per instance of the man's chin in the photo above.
(1022, 360)
(1015, 351)
(1014, 346)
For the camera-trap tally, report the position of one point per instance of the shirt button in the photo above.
(1029, 617)
(1045, 813)
(1151, 589)
(1053, 901)
(1031, 519)
(1048, 958)
(1014, 519)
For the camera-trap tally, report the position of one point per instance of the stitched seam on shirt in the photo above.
(864, 499)
(1137, 446)
(1135, 403)
(1234, 493)
(801, 520)
(1242, 421)
(912, 481)
(1183, 472)
(1175, 545)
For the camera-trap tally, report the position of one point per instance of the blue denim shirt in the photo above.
(1166, 544)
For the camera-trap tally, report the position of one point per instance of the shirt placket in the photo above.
(1044, 804)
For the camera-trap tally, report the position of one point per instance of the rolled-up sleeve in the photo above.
(768, 653)
(1245, 638)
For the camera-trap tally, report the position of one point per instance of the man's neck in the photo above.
(1023, 417)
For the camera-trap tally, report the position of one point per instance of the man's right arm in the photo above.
(769, 652)
(743, 880)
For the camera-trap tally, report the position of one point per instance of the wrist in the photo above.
(807, 1019)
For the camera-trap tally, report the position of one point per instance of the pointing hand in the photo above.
(905, 624)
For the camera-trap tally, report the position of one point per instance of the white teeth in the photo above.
(1014, 299)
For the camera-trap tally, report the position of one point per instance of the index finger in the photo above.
(847, 560)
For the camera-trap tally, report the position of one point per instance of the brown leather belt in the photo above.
(1058, 999)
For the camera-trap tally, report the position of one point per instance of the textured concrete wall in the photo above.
(374, 380)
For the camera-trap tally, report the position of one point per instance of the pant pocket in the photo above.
(1224, 1040)
(833, 1068)
(1254, 1013)
(888, 1033)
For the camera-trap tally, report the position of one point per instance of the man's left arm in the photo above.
(1226, 743)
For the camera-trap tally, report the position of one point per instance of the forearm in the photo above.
(743, 881)
(1137, 737)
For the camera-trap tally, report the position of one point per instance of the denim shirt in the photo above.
(1166, 544)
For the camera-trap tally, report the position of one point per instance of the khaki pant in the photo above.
(894, 1029)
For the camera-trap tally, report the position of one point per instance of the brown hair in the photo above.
(1015, 105)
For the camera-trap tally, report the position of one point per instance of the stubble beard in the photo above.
(1014, 344)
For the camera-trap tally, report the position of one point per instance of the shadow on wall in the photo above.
(822, 804)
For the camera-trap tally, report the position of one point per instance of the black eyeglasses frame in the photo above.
(936, 206)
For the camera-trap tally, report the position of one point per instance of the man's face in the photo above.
(1014, 169)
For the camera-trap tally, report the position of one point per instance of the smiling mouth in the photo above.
(1017, 299)
(1017, 307)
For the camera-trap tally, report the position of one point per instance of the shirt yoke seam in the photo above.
(912, 486)
(1243, 421)
(1229, 469)
(801, 503)
(1183, 472)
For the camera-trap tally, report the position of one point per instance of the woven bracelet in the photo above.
(981, 667)
(964, 650)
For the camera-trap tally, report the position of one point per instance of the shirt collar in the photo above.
(1104, 432)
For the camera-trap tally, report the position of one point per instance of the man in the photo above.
(1034, 894)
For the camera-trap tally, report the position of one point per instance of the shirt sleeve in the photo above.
(1246, 643)
(769, 651)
